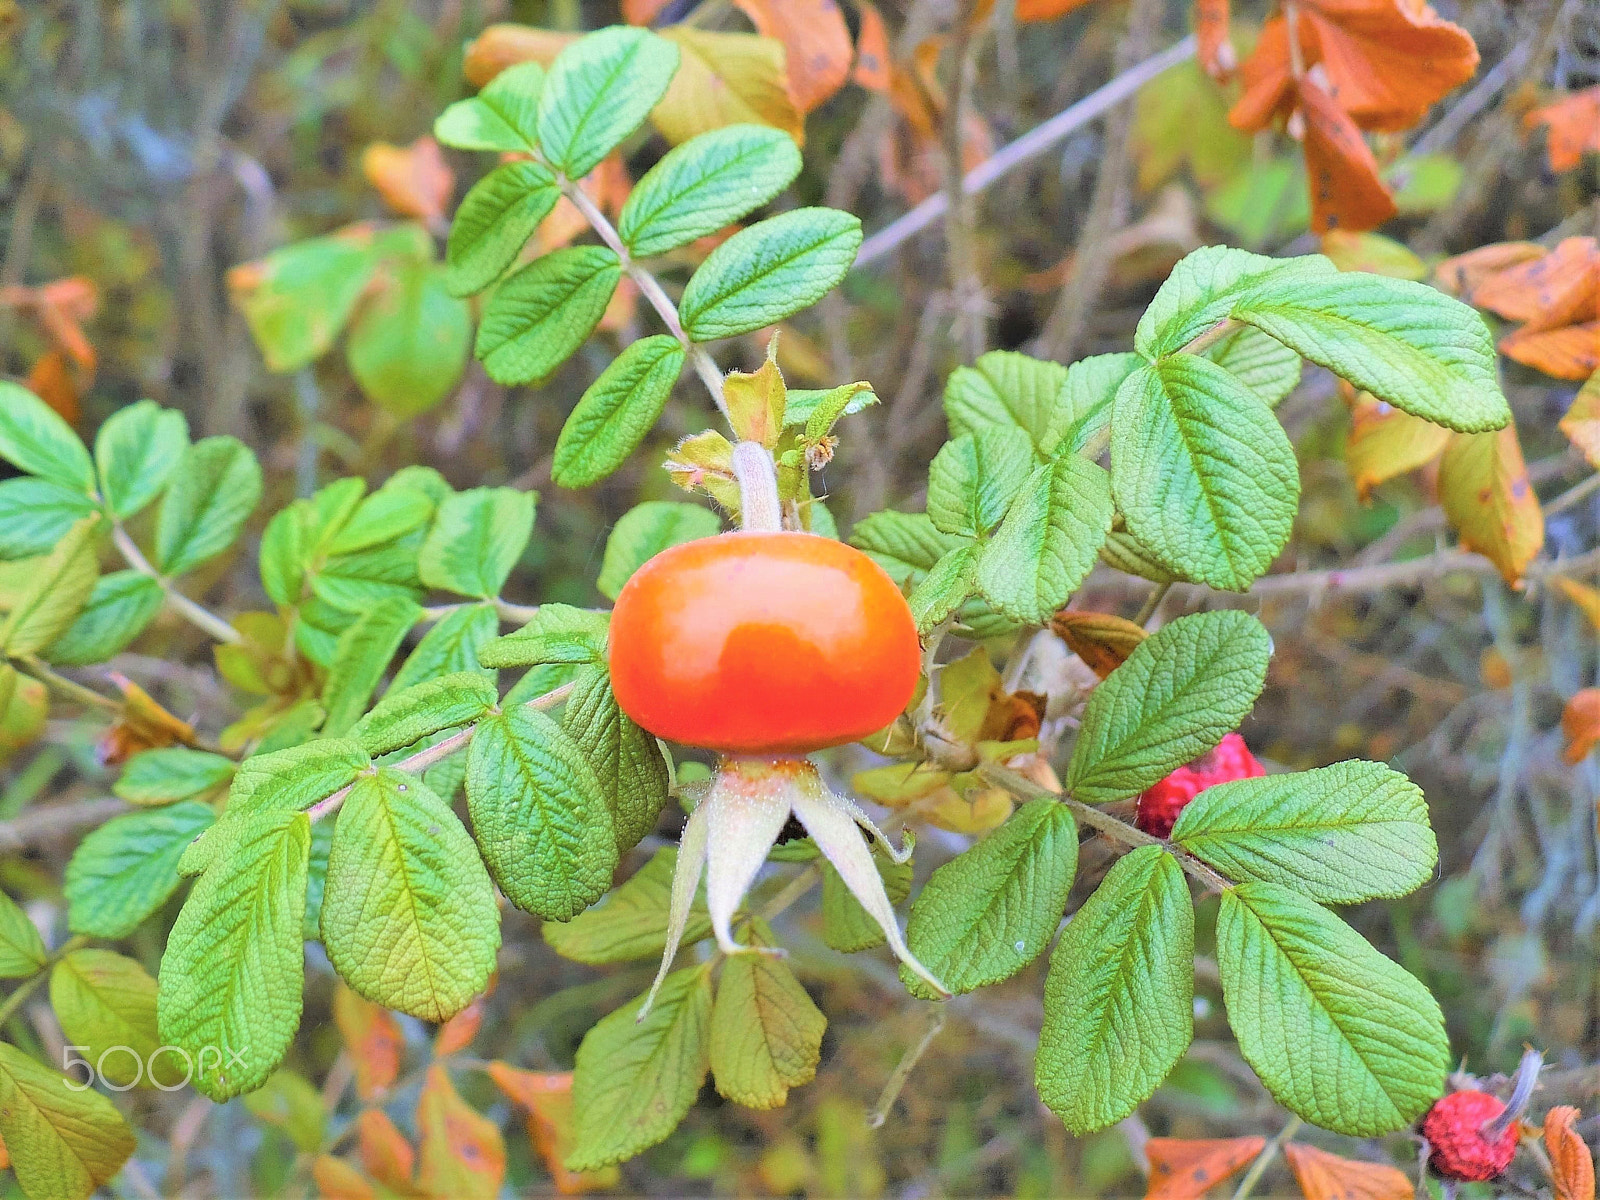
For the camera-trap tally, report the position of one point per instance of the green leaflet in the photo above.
(1264, 365)
(1202, 471)
(766, 1033)
(126, 869)
(768, 272)
(617, 411)
(408, 912)
(360, 660)
(631, 922)
(408, 345)
(539, 814)
(944, 588)
(905, 545)
(54, 592)
(171, 773)
(825, 405)
(119, 608)
(1338, 1033)
(705, 185)
(1341, 834)
(301, 295)
(35, 514)
(644, 531)
(136, 452)
(975, 477)
(987, 913)
(410, 714)
(503, 116)
(288, 1101)
(538, 316)
(1086, 399)
(1125, 552)
(107, 1008)
(1048, 541)
(316, 880)
(476, 540)
(1181, 691)
(22, 951)
(493, 223)
(1203, 288)
(213, 491)
(451, 645)
(600, 88)
(1004, 388)
(230, 982)
(558, 633)
(627, 761)
(35, 440)
(1119, 1002)
(64, 1143)
(848, 927)
(635, 1080)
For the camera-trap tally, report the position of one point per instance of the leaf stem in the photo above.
(1152, 603)
(42, 671)
(201, 618)
(28, 985)
(1264, 1159)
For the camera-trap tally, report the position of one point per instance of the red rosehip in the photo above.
(1160, 805)
(1459, 1147)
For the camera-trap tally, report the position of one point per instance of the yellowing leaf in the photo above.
(816, 40)
(1102, 640)
(872, 50)
(1324, 1176)
(722, 79)
(457, 1033)
(385, 1153)
(1385, 442)
(1586, 598)
(64, 1143)
(338, 1180)
(413, 180)
(1580, 722)
(371, 1037)
(463, 1155)
(502, 46)
(755, 403)
(1582, 422)
(1485, 493)
(1185, 1169)
(548, 1099)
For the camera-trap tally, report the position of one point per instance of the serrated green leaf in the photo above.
(107, 1008)
(35, 514)
(558, 633)
(171, 773)
(975, 477)
(230, 982)
(214, 489)
(811, 407)
(540, 815)
(599, 90)
(766, 1033)
(493, 223)
(944, 588)
(452, 645)
(617, 411)
(1263, 364)
(22, 951)
(848, 927)
(120, 607)
(316, 880)
(1086, 399)
(503, 116)
(1341, 834)
(360, 660)
(354, 583)
(768, 272)
(55, 592)
(298, 298)
(63, 1142)
(385, 516)
(127, 868)
(1202, 290)
(408, 912)
(35, 439)
(1181, 691)
(136, 452)
(635, 1080)
(644, 531)
(1339, 1034)
(905, 545)
(631, 922)
(705, 185)
(1126, 553)
(989, 912)
(626, 760)
(1202, 471)
(408, 345)
(1048, 541)
(408, 715)
(476, 540)
(1004, 388)
(541, 314)
(1119, 1001)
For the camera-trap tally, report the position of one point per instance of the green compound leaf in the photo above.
(503, 116)
(617, 411)
(232, 975)
(1339, 1034)
(766, 1033)
(409, 343)
(1086, 399)
(136, 452)
(540, 815)
(905, 545)
(635, 1080)
(214, 489)
(126, 869)
(989, 912)
(476, 540)
(975, 477)
(64, 1142)
(171, 773)
(544, 312)
(1006, 389)
(1203, 288)
(1203, 472)
(408, 912)
(705, 185)
(1048, 541)
(35, 514)
(1263, 364)
(120, 607)
(360, 659)
(644, 531)
(944, 588)
(22, 951)
(558, 633)
(627, 761)
(768, 272)
(631, 922)
(1182, 690)
(599, 90)
(495, 220)
(107, 1008)
(410, 714)
(54, 592)
(1119, 1002)
(1342, 834)
(35, 439)
(452, 645)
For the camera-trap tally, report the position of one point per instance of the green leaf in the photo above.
(408, 715)
(537, 317)
(1048, 541)
(127, 868)
(230, 982)
(1202, 471)
(627, 761)
(35, 439)
(493, 223)
(316, 880)
(644, 531)
(171, 773)
(22, 951)
(55, 592)
(64, 1142)
(766, 1033)
(599, 90)
(1203, 288)
(1119, 1002)
(705, 185)
(1341, 834)
(617, 411)
(1182, 690)
(213, 491)
(136, 451)
(289, 1102)
(540, 815)
(1263, 364)
(848, 927)
(408, 913)
(988, 913)
(631, 922)
(1004, 388)
(387, 515)
(1087, 397)
(476, 539)
(503, 116)
(298, 298)
(807, 407)
(361, 659)
(1340, 1035)
(975, 477)
(120, 607)
(107, 1008)
(408, 346)
(905, 545)
(558, 633)
(35, 514)
(452, 645)
(635, 1080)
(945, 587)
(768, 272)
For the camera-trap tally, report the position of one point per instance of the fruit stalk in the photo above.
(753, 467)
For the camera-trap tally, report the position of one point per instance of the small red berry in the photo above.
(1458, 1145)
(1159, 806)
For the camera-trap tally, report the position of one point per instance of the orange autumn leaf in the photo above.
(51, 380)
(463, 1154)
(1324, 1176)
(1046, 10)
(1571, 1164)
(141, 724)
(1580, 722)
(1346, 190)
(5, 1155)
(457, 1033)
(641, 12)
(548, 1099)
(338, 1180)
(1217, 56)
(371, 1037)
(911, 160)
(1569, 353)
(1465, 273)
(816, 43)
(1385, 443)
(1102, 640)
(607, 185)
(384, 1151)
(1486, 496)
(414, 180)
(1184, 1169)
(1572, 127)
(872, 51)
(1582, 422)
(1557, 297)
(502, 46)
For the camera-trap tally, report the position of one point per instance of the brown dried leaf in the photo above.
(1346, 190)
(1571, 1164)
(872, 51)
(1103, 641)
